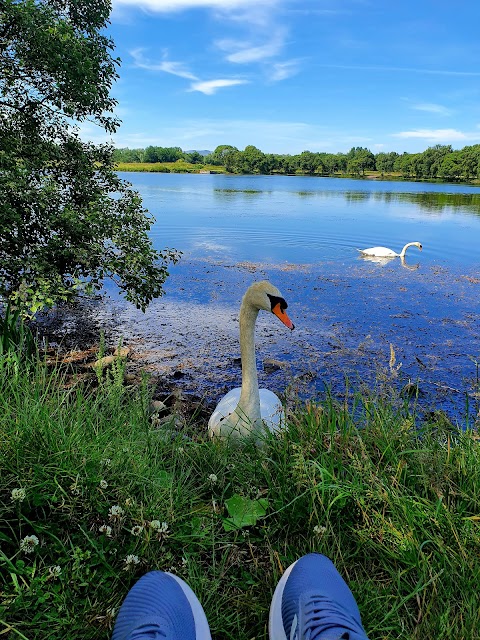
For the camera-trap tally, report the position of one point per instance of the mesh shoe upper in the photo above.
(317, 603)
(155, 607)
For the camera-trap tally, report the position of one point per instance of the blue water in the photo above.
(351, 314)
(309, 220)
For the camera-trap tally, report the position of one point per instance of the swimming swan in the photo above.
(247, 409)
(383, 252)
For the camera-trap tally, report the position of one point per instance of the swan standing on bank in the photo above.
(383, 252)
(248, 409)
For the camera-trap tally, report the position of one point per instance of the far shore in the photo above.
(187, 167)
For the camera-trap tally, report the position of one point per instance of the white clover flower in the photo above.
(115, 512)
(29, 543)
(106, 462)
(180, 450)
(103, 484)
(131, 561)
(55, 571)
(213, 478)
(319, 530)
(137, 530)
(18, 494)
(106, 530)
(159, 527)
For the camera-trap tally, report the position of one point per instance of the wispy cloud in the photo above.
(432, 108)
(271, 136)
(438, 72)
(210, 87)
(207, 87)
(439, 135)
(167, 6)
(283, 70)
(242, 52)
(167, 66)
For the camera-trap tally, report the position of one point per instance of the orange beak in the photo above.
(281, 315)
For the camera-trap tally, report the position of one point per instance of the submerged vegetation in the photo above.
(94, 493)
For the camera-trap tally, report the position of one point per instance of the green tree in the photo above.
(67, 219)
(451, 166)
(308, 162)
(194, 157)
(385, 162)
(253, 160)
(359, 159)
(219, 156)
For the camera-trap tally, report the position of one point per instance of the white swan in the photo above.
(383, 252)
(246, 409)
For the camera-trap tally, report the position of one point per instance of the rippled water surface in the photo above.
(309, 220)
(372, 322)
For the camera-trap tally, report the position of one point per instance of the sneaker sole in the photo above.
(202, 630)
(275, 622)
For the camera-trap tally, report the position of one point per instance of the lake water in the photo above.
(373, 323)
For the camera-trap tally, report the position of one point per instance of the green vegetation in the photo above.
(67, 221)
(93, 493)
(180, 166)
(438, 162)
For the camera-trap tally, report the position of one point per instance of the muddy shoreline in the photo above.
(365, 327)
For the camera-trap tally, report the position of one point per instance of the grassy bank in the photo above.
(395, 504)
(168, 167)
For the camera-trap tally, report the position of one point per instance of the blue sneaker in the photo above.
(161, 605)
(313, 602)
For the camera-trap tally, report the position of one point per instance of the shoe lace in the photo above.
(151, 631)
(321, 614)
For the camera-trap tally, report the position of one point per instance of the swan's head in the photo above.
(417, 244)
(263, 295)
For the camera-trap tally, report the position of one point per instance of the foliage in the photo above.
(392, 500)
(439, 161)
(67, 220)
(16, 338)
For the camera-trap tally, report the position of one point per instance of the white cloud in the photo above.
(284, 70)
(437, 72)
(167, 66)
(167, 6)
(438, 135)
(241, 52)
(271, 136)
(432, 108)
(210, 87)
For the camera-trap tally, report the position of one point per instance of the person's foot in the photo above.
(313, 602)
(161, 605)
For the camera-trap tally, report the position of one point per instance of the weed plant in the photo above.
(93, 495)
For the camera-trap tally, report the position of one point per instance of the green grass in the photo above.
(168, 167)
(395, 504)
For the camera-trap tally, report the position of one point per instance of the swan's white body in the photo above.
(248, 409)
(384, 252)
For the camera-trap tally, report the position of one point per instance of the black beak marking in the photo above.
(274, 300)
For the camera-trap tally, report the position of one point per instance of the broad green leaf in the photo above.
(244, 512)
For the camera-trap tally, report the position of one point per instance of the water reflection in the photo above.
(430, 202)
(385, 260)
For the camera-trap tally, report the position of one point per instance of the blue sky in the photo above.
(290, 75)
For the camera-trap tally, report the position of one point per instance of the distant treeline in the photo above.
(439, 161)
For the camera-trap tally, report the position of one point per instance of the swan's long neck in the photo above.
(248, 407)
(402, 253)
